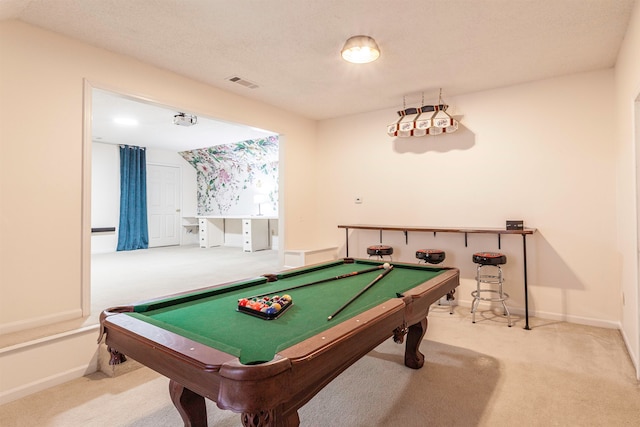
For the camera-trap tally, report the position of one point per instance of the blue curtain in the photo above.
(133, 232)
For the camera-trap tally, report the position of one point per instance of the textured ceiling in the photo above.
(290, 48)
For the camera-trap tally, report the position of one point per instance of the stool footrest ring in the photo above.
(489, 282)
(499, 298)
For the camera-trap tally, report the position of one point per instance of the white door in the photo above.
(163, 205)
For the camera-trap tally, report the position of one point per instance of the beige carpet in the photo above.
(125, 277)
(487, 374)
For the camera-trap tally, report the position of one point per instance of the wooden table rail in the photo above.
(466, 230)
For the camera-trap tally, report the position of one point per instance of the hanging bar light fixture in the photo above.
(418, 121)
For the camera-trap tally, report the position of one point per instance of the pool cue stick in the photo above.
(366, 288)
(317, 282)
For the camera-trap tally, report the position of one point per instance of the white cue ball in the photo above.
(386, 265)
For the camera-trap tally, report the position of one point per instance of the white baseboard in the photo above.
(42, 384)
(635, 358)
(36, 365)
(580, 320)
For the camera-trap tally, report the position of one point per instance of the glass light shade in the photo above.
(392, 129)
(420, 126)
(452, 127)
(444, 122)
(422, 123)
(406, 124)
(360, 50)
(440, 121)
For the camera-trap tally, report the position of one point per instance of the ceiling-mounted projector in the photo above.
(182, 119)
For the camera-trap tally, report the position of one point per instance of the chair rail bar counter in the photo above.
(524, 232)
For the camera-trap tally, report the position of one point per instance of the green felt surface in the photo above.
(211, 317)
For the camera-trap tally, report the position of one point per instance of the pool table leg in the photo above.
(270, 418)
(412, 356)
(190, 405)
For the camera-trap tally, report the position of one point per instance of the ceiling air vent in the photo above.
(243, 82)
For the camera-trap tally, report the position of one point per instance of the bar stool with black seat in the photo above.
(489, 280)
(435, 256)
(380, 251)
(430, 256)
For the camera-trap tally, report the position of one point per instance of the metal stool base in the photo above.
(435, 256)
(450, 299)
(489, 295)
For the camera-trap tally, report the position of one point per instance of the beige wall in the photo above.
(537, 152)
(628, 111)
(41, 86)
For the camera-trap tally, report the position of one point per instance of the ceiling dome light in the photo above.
(360, 50)
(125, 121)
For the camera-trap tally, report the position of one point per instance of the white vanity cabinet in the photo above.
(223, 230)
(255, 234)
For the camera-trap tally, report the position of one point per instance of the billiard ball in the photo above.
(386, 265)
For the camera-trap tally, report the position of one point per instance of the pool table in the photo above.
(266, 369)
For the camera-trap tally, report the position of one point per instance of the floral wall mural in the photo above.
(234, 178)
